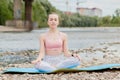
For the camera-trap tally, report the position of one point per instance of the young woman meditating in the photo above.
(54, 51)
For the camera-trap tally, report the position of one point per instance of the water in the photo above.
(77, 38)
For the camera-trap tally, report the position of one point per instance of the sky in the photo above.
(108, 7)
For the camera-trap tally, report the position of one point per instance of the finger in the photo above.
(75, 55)
(33, 62)
(79, 57)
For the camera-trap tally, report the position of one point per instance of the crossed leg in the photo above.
(69, 63)
(47, 67)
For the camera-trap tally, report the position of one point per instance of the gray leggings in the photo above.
(51, 63)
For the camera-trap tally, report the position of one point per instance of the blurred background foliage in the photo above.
(41, 9)
(6, 11)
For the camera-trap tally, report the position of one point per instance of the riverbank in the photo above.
(10, 29)
(110, 29)
(100, 54)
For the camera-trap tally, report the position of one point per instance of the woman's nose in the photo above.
(53, 21)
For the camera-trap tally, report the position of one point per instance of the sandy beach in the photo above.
(94, 45)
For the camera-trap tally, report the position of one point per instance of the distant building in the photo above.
(68, 13)
(90, 11)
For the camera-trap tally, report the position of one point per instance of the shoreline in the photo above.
(5, 29)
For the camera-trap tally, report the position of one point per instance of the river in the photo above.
(77, 38)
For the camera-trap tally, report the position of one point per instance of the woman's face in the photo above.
(53, 21)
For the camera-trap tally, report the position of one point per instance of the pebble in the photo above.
(23, 59)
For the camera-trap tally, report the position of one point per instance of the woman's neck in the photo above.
(53, 31)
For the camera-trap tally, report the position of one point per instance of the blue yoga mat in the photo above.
(34, 70)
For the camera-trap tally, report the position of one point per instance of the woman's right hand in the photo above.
(35, 61)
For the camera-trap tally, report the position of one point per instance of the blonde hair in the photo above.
(53, 13)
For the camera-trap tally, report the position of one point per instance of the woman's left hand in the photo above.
(76, 56)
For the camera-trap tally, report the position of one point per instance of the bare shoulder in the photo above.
(64, 34)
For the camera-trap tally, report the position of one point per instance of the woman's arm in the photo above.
(42, 50)
(65, 48)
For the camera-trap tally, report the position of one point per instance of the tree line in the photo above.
(41, 9)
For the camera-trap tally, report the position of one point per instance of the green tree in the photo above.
(106, 20)
(41, 9)
(5, 11)
(39, 14)
(117, 12)
(115, 20)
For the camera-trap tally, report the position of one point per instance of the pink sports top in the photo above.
(54, 45)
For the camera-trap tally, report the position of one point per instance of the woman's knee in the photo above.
(44, 66)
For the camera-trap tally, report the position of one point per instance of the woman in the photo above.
(54, 51)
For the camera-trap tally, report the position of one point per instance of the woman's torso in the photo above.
(53, 43)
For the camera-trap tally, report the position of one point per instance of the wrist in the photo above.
(39, 59)
(72, 54)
